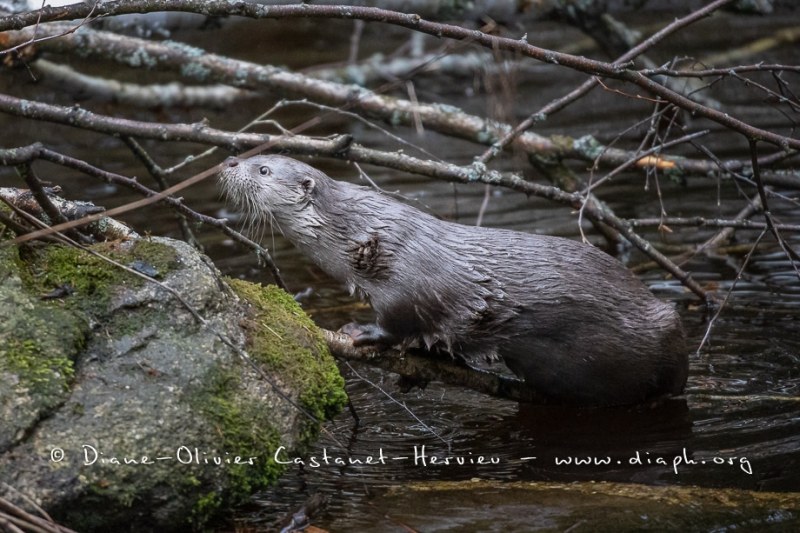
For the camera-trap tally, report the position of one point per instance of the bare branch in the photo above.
(730, 291)
(146, 96)
(793, 256)
(429, 367)
(591, 83)
(198, 132)
(702, 222)
(413, 22)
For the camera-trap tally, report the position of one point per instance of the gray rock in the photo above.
(121, 372)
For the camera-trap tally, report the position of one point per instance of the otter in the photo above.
(564, 316)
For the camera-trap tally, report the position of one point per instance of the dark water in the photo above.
(741, 411)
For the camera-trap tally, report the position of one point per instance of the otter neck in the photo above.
(315, 240)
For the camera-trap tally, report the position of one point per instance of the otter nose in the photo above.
(231, 161)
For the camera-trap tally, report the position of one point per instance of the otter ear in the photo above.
(308, 185)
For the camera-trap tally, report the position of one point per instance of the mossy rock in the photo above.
(288, 347)
(142, 378)
(91, 278)
(39, 342)
(285, 340)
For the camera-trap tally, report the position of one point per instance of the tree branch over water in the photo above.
(441, 118)
(412, 22)
(44, 31)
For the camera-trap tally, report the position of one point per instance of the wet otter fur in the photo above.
(566, 317)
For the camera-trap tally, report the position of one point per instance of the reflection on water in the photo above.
(739, 426)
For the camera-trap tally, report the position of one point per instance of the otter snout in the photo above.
(230, 180)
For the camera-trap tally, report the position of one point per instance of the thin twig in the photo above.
(401, 404)
(708, 223)
(159, 175)
(41, 14)
(729, 292)
(790, 252)
(722, 71)
(588, 85)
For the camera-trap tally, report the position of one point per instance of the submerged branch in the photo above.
(424, 366)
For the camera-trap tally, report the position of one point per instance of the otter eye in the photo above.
(264, 170)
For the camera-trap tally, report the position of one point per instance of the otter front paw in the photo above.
(367, 334)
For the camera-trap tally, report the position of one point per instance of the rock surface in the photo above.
(112, 369)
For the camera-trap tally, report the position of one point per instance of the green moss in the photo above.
(563, 145)
(286, 340)
(38, 340)
(87, 274)
(244, 429)
(40, 369)
(206, 508)
(286, 343)
(162, 257)
(90, 276)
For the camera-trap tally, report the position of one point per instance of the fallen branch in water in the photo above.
(417, 365)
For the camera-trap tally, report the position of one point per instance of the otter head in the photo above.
(273, 188)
